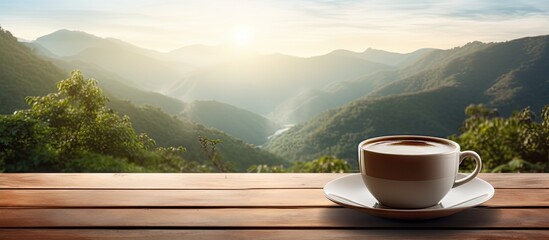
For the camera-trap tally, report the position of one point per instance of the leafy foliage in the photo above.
(23, 145)
(324, 164)
(82, 122)
(337, 132)
(23, 74)
(508, 75)
(170, 160)
(415, 77)
(73, 130)
(208, 146)
(515, 144)
(264, 168)
(174, 131)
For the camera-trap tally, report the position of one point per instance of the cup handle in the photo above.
(474, 155)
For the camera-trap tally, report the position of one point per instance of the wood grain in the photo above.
(283, 234)
(244, 206)
(165, 180)
(220, 181)
(476, 218)
(163, 198)
(220, 198)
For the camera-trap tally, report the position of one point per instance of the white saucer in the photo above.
(350, 191)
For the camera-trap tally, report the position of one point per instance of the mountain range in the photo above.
(23, 73)
(139, 66)
(235, 121)
(260, 83)
(507, 75)
(255, 82)
(247, 81)
(313, 101)
(335, 100)
(70, 50)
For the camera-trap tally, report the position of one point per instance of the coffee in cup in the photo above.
(408, 171)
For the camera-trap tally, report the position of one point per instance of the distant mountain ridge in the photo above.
(309, 103)
(508, 76)
(201, 72)
(355, 94)
(73, 42)
(200, 56)
(113, 78)
(142, 67)
(389, 58)
(22, 73)
(115, 85)
(240, 123)
(260, 83)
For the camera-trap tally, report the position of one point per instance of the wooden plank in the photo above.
(476, 218)
(519, 198)
(220, 181)
(165, 180)
(283, 234)
(517, 180)
(220, 198)
(163, 198)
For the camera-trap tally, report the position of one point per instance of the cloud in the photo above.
(301, 27)
(493, 10)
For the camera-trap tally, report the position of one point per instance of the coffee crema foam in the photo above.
(408, 147)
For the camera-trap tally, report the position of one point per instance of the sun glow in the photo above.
(243, 35)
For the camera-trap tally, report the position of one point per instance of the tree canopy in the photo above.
(323, 164)
(518, 143)
(73, 130)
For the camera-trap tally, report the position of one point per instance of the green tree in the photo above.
(264, 168)
(24, 145)
(208, 146)
(82, 122)
(324, 164)
(515, 144)
(168, 159)
(72, 130)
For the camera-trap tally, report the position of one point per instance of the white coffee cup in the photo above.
(409, 171)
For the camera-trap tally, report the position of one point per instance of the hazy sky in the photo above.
(296, 27)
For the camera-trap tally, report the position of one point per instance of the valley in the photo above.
(275, 108)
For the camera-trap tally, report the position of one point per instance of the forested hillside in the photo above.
(87, 53)
(509, 76)
(337, 99)
(419, 64)
(24, 74)
(173, 131)
(240, 123)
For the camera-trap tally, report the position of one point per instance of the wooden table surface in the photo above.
(244, 206)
